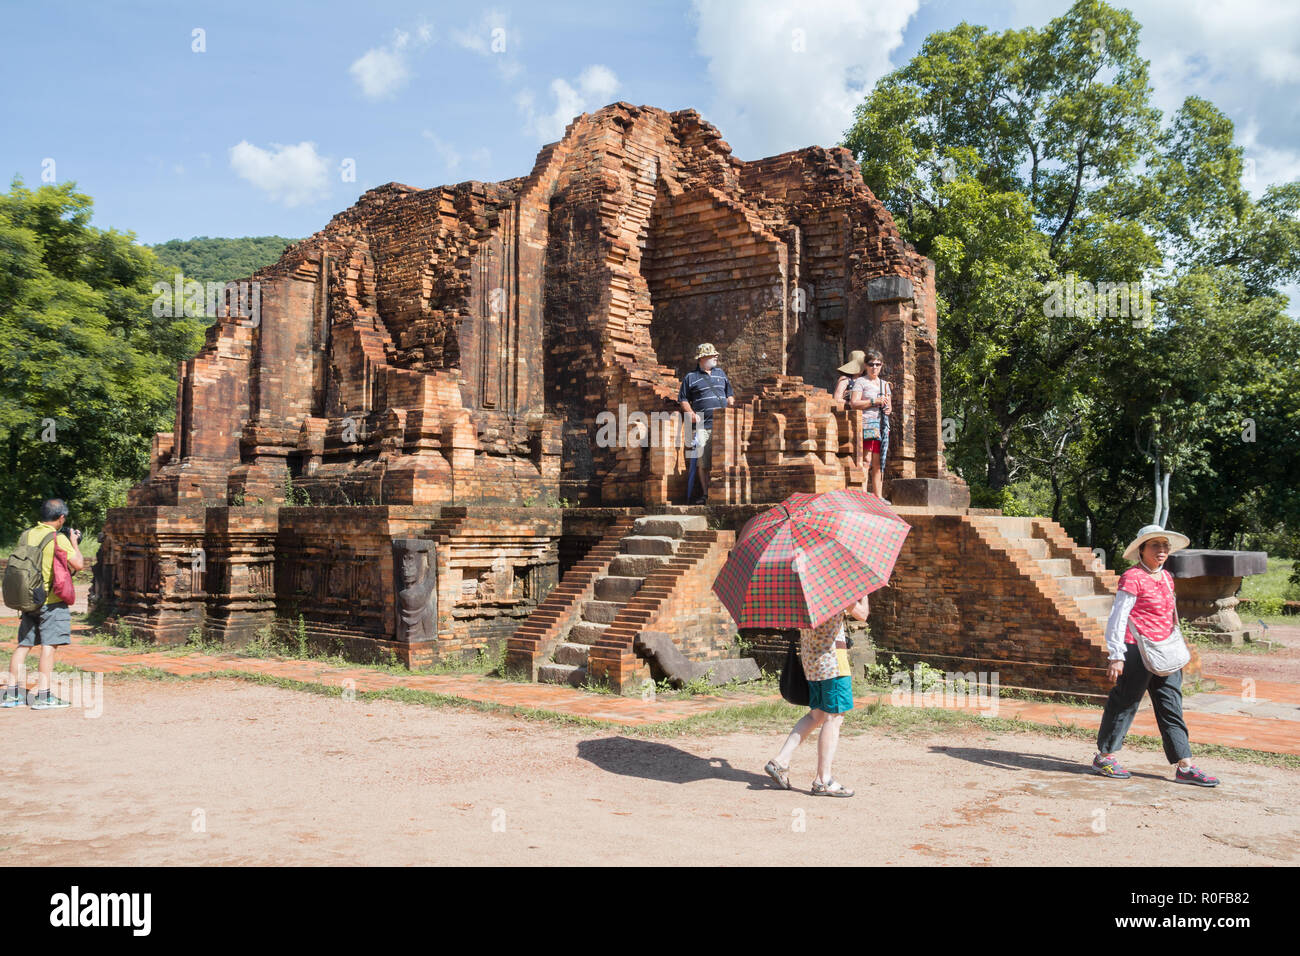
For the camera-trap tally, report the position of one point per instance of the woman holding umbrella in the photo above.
(800, 565)
(824, 653)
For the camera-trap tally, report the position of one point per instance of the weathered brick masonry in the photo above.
(400, 445)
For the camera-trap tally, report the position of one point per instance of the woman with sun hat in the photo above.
(1144, 608)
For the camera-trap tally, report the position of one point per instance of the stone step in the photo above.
(562, 674)
(1076, 585)
(601, 612)
(1056, 567)
(584, 632)
(1037, 547)
(1096, 605)
(650, 544)
(1013, 527)
(637, 565)
(572, 654)
(669, 526)
(618, 588)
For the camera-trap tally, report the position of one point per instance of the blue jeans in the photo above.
(1125, 698)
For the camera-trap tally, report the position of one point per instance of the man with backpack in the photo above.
(29, 587)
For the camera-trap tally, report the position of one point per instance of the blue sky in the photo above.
(250, 135)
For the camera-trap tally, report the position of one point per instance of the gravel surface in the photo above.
(229, 772)
(1281, 664)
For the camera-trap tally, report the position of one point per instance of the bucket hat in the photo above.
(1176, 541)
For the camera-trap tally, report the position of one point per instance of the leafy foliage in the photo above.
(90, 373)
(1029, 161)
(220, 260)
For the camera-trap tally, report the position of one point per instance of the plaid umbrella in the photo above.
(810, 557)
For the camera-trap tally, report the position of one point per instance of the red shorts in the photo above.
(871, 446)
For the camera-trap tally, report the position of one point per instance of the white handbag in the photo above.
(1163, 658)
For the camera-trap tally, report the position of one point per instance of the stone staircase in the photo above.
(653, 542)
(1081, 585)
(979, 591)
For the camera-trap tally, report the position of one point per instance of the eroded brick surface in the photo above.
(435, 365)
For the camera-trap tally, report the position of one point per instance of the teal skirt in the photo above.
(834, 696)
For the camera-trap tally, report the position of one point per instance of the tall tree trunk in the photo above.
(998, 470)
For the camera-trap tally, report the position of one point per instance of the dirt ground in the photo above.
(229, 772)
(1280, 664)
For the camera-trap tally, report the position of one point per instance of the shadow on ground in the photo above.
(651, 760)
(1012, 760)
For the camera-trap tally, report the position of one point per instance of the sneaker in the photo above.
(49, 702)
(12, 698)
(1192, 775)
(1109, 767)
(832, 789)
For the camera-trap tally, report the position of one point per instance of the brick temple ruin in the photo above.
(399, 448)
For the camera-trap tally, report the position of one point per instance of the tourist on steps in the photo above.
(1145, 603)
(704, 389)
(824, 653)
(860, 386)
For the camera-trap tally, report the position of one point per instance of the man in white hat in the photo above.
(704, 389)
(1145, 603)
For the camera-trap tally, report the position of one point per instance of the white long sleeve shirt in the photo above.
(1117, 624)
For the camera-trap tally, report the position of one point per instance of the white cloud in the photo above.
(596, 86)
(1242, 57)
(494, 37)
(384, 70)
(785, 75)
(1265, 165)
(477, 161)
(380, 72)
(292, 175)
(446, 152)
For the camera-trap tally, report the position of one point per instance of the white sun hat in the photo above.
(1176, 541)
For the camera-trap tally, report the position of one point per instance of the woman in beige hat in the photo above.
(861, 386)
(1145, 603)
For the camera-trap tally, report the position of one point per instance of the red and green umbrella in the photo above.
(810, 557)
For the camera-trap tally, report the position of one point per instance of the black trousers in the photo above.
(1125, 698)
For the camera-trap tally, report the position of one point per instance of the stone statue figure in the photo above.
(417, 592)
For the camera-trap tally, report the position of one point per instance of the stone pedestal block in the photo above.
(929, 493)
(1208, 583)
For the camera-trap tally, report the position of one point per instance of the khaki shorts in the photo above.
(52, 624)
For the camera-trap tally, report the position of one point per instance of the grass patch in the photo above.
(400, 694)
(1272, 587)
(766, 717)
(1206, 643)
(290, 643)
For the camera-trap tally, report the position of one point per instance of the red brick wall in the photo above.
(961, 603)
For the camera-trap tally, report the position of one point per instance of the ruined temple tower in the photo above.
(412, 411)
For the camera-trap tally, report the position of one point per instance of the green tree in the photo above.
(90, 372)
(1030, 158)
(219, 260)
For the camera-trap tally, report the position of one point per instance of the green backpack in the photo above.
(24, 585)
